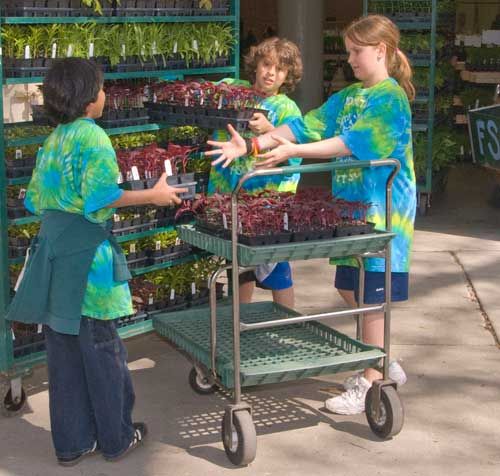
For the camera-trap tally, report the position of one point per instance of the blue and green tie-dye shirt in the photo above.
(374, 123)
(76, 172)
(282, 110)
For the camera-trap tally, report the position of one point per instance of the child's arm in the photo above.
(236, 147)
(325, 149)
(161, 194)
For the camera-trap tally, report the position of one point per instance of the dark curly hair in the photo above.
(70, 85)
(282, 52)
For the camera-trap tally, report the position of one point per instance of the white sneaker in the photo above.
(352, 401)
(396, 373)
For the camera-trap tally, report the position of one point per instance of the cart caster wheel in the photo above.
(200, 384)
(391, 414)
(242, 451)
(13, 407)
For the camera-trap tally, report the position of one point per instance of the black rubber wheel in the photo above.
(199, 384)
(391, 415)
(10, 407)
(244, 448)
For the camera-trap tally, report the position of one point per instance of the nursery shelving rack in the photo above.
(13, 369)
(428, 24)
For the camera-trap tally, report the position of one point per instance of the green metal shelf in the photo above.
(111, 132)
(30, 360)
(169, 264)
(147, 19)
(10, 366)
(133, 330)
(164, 74)
(18, 181)
(143, 234)
(24, 220)
(125, 332)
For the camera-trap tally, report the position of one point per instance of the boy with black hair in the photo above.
(75, 280)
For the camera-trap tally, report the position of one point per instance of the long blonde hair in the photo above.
(372, 30)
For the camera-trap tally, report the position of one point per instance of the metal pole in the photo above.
(236, 34)
(388, 270)
(236, 295)
(6, 352)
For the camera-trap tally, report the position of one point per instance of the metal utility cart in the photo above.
(238, 345)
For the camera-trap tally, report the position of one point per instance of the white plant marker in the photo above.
(168, 167)
(135, 172)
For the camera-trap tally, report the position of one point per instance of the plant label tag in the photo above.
(285, 221)
(150, 299)
(116, 217)
(168, 167)
(193, 289)
(216, 44)
(172, 294)
(143, 51)
(219, 104)
(13, 335)
(132, 248)
(158, 245)
(177, 241)
(224, 221)
(153, 48)
(39, 328)
(135, 172)
(476, 105)
(462, 152)
(54, 50)
(19, 154)
(240, 228)
(124, 51)
(22, 194)
(120, 178)
(175, 47)
(69, 52)
(195, 45)
(91, 50)
(27, 54)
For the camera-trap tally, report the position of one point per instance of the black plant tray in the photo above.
(167, 257)
(135, 228)
(137, 263)
(353, 230)
(125, 122)
(134, 319)
(17, 212)
(18, 172)
(26, 345)
(311, 235)
(17, 251)
(19, 241)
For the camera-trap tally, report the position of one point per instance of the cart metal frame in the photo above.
(207, 377)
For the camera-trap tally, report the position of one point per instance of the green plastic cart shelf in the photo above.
(253, 255)
(269, 355)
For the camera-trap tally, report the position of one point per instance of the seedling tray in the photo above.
(270, 355)
(253, 255)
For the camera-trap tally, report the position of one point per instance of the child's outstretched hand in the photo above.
(279, 154)
(228, 151)
(164, 195)
(259, 124)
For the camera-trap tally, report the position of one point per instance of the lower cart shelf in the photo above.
(269, 355)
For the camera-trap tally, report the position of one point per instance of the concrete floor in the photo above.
(445, 335)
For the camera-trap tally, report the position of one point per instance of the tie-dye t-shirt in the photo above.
(76, 172)
(282, 110)
(374, 123)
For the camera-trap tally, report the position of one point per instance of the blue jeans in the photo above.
(90, 390)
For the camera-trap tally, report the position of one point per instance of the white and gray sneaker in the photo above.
(396, 373)
(352, 401)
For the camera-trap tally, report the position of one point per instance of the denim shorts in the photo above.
(347, 278)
